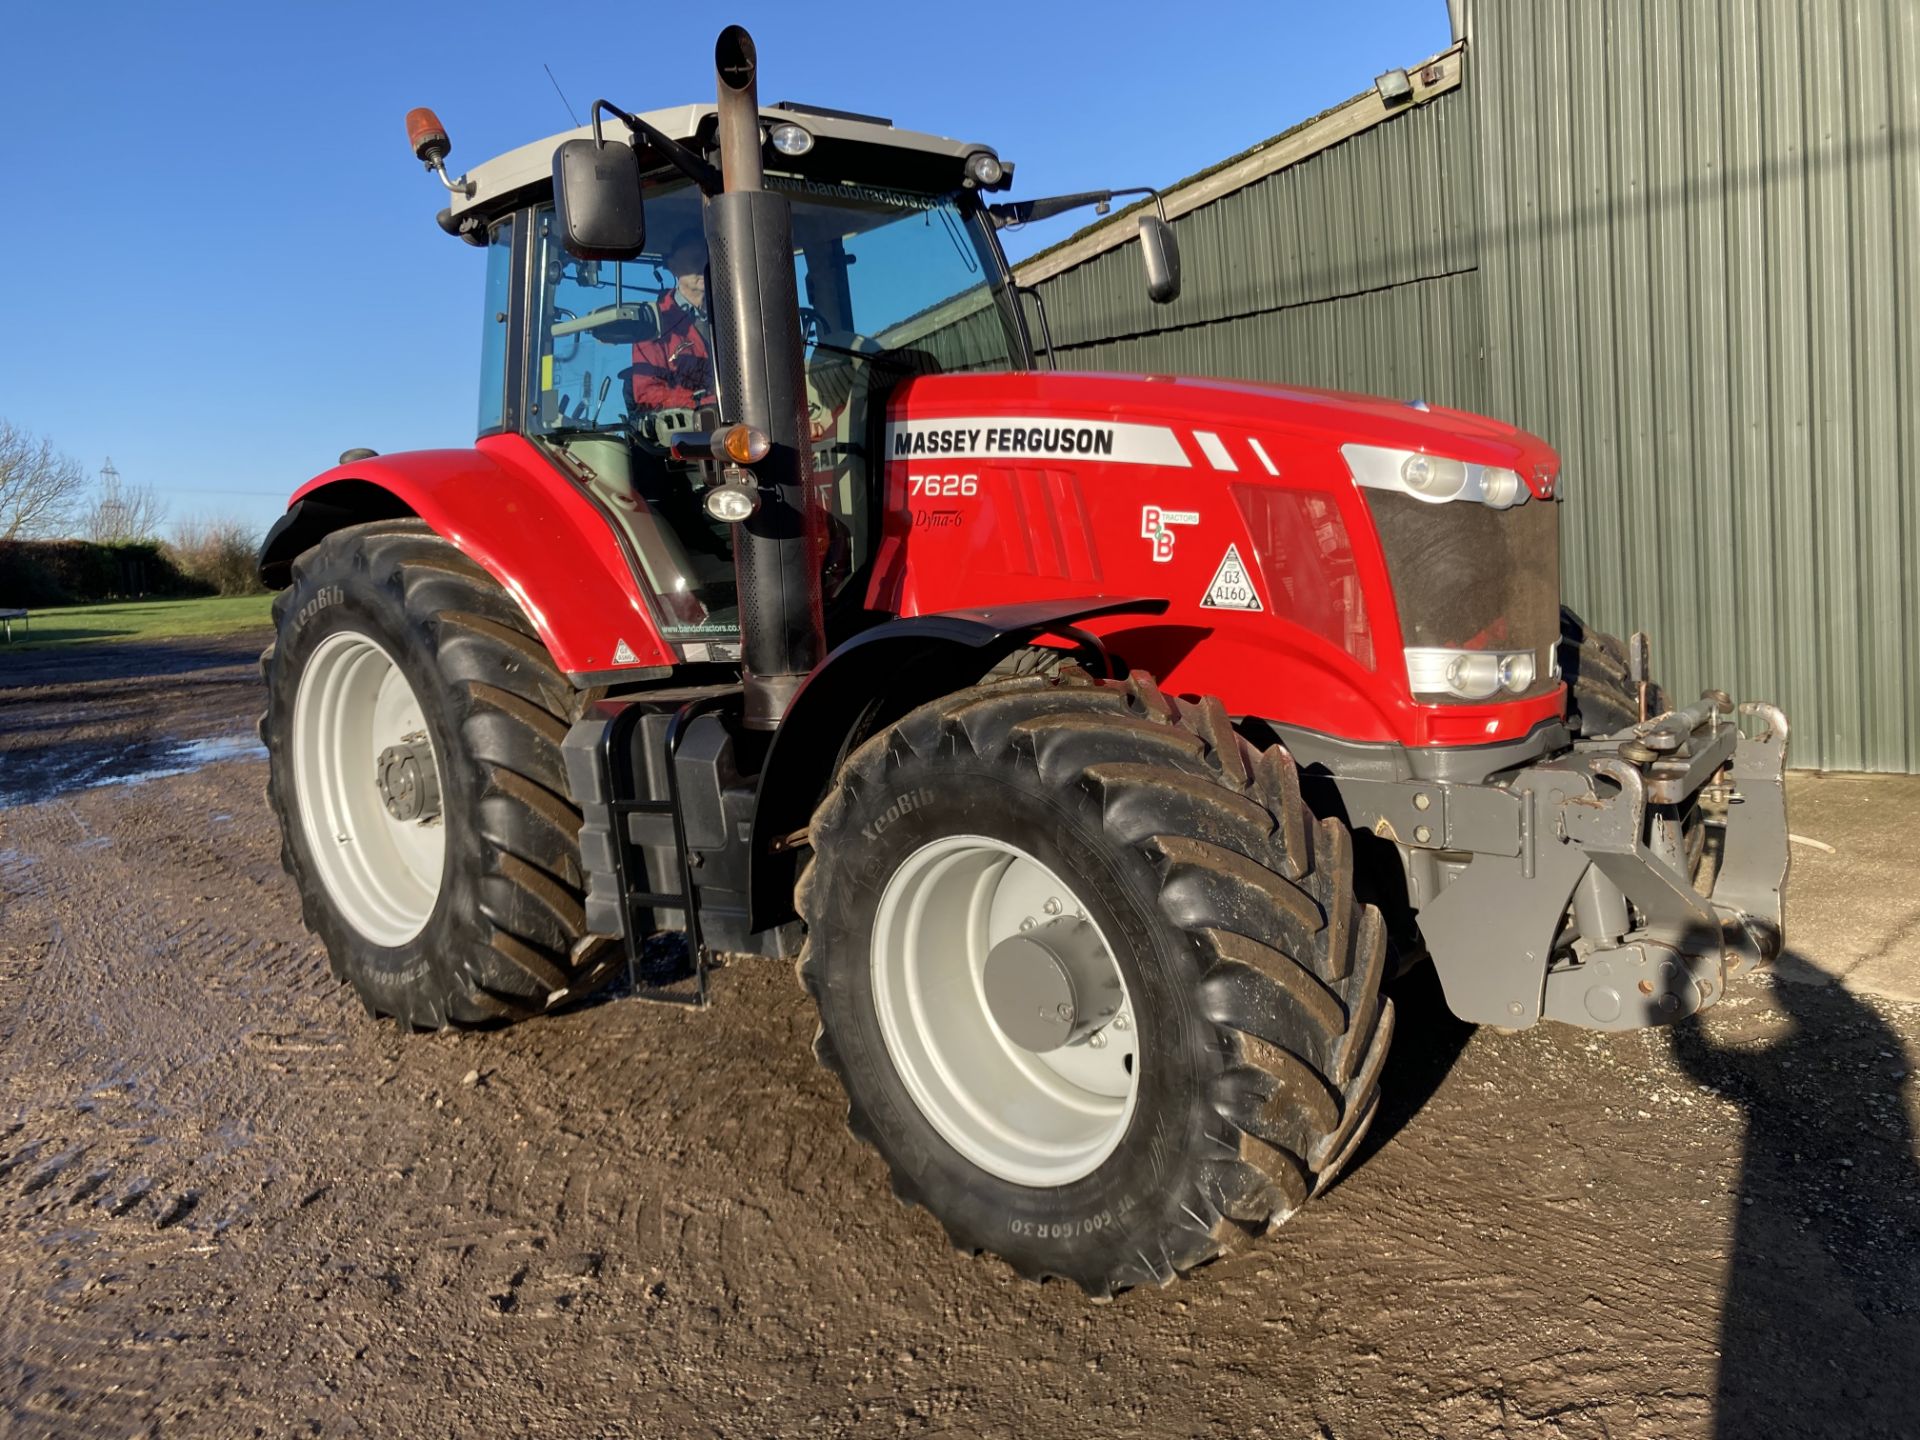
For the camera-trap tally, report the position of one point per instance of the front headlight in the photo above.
(1500, 487)
(1435, 479)
(1516, 671)
(1469, 674)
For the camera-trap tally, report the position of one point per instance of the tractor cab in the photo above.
(604, 364)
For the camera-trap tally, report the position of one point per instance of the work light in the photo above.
(732, 503)
(984, 169)
(790, 139)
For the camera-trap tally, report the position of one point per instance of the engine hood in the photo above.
(1301, 413)
(1238, 504)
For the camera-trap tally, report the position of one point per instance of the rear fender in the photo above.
(512, 512)
(865, 685)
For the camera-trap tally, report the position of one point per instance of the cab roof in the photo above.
(847, 148)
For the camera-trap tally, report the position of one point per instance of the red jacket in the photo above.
(673, 371)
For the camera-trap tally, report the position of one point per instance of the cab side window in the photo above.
(493, 329)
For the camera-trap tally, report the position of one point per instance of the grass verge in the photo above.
(139, 620)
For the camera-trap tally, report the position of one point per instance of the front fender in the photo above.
(866, 684)
(521, 520)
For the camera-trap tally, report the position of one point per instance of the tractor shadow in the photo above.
(1820, 1314)
(1820, 1320)
(1428, 1039)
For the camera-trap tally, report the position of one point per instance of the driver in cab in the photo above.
(674, 369)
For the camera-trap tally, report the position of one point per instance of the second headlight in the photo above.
(1434, 479)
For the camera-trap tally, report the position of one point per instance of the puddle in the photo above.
(27, 777)
(188, 756)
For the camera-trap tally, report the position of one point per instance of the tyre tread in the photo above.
(1288, 963)
(512, 706)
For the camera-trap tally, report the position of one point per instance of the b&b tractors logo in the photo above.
(1156, 525)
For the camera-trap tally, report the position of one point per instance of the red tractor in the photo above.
(1098, 743)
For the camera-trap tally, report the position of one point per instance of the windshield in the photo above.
(891, 285)
(909, 281)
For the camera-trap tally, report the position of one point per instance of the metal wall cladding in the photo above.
(1378, 216)
(1682, 242)
(1702, 278)
(1416, 341)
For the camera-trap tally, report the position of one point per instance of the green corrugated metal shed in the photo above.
(1678, 238)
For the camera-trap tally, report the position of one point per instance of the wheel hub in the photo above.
(1051, 986)
(365, 779)
(409, 781)
(1004, 1010)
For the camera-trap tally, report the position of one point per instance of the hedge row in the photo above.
(74, 572)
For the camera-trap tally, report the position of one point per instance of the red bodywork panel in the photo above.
(1182, 470)
(1187, 468)
(536, 532)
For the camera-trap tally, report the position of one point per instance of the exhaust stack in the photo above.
(762, 383)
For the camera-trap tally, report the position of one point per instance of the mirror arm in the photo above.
(1020, 212)
(1159, 203)
(706, 176)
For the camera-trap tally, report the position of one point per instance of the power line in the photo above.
(202, 490)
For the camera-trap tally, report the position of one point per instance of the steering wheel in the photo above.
(655, 429)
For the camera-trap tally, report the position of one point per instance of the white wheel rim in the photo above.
(382, 874)
(1034, 1119)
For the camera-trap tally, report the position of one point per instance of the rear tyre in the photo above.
(1601, 699)
(1184, 866)
(413, 728)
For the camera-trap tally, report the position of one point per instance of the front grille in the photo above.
(1469, 577)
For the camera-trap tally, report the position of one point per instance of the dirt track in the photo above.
(230, 1204)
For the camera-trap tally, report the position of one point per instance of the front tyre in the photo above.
(1601, 697)
(413, 728)
(1093, 978)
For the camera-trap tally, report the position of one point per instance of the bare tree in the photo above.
(40, 489)
(124, 512)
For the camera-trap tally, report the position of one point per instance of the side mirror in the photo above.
(1160, 253)
(596, 200)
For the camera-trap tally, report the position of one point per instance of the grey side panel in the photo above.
(1491, 933)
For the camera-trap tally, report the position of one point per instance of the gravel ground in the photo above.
(231, 1204)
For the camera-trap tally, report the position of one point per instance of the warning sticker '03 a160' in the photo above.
(1232, 587)
(1014, 437)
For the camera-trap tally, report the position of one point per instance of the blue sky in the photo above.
(222, 268)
